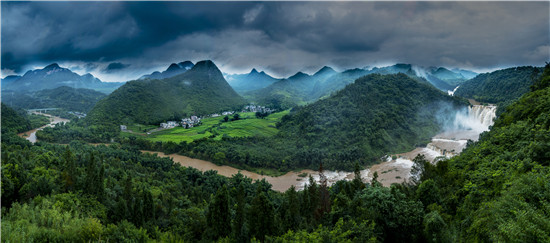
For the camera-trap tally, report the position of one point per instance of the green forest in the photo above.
(16, 120)
(498, 189)
(350, 127)
(66, 98)
(501, 87)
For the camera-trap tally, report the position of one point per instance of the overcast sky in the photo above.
(119, 41)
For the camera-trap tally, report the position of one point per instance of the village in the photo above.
(194, 121)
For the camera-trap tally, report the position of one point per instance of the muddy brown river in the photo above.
(390, 171)
(31, 135)
(280, 183)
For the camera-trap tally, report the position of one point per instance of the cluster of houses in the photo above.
(169, 124)
(78, 114)
(257, 108)
(194, 121)
(189, 122)
(225, 113)
(248, 108)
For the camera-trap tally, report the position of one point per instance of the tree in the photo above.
(324, 202)
(261, 216)
(291, 210)
(236, 117)
(240, 233)
(219, 216)
(69, 170)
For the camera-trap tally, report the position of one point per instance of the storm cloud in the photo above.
(278, 37)
(115, 66)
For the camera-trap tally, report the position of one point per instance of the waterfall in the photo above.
(485, 114)
(467, 125)
(452, 93)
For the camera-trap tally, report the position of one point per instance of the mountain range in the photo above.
(201, 90)
(251, 81)
(302, 88)
(53, 76)
(172, 70)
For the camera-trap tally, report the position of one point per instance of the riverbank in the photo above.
(31, 135)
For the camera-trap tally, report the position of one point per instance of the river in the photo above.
(450, 143)
(31, 135)
(477, 119)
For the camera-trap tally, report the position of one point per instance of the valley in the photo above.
(275, 121)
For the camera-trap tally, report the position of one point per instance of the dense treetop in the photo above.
(500, 87)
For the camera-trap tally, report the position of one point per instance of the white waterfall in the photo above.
(452, 93)
(468, 124)
(483, 113)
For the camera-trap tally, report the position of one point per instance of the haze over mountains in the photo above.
(53, 76)
(302, 88)
(257, 87)
(67, 98)
(252, 81)
(172, 70)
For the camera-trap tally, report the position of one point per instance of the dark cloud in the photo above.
(279, 37)
(115, 66)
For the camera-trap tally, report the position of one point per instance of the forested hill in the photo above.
(498, 189)
(14, 121)
(375, 115)
(17, 121)
(71, 99)
(500, 87)
(201, 90)
(292, 91)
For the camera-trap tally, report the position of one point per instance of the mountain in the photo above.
(465, 73)
(53, 76)
(450, 77)
(248, 82)
(67, 98)
(326, 81)
(292, 91)
(500, 87)
(336, 82)
(439, 77)
(10, 79)
(200, 91)
(172, 70)
(374, 115)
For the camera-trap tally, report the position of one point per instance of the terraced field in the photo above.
(248, 125)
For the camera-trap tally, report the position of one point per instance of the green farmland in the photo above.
(248, 125)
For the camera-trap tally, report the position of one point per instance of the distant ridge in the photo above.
(254, 80)
(53, 76)
(172, 70)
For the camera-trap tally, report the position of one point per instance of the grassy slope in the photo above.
(249, 125)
